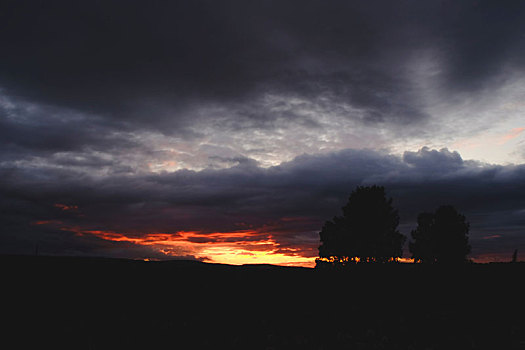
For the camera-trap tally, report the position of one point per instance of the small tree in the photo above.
(366, 232)
(440, 237)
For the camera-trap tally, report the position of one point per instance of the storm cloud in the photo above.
(153, 65)
(255, 120)
(288, 203)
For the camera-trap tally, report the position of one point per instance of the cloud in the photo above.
(153, 66)
(432, 159)
(240, 116)
(276, 210)
(168, 86)
(511, 135)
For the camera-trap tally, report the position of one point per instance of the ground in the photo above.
(78, 303)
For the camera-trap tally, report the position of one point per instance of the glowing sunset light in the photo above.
(236, 256)
(234, 248)
(355, 259)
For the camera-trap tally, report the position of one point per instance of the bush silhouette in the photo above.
(367, 231)
(440, 237)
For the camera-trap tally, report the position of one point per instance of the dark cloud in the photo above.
(152, 64)
(289, 202)
(433, 160)
(166, 117)
(483, 39)
(31, 130)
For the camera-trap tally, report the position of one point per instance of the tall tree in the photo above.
(440, 237)
(366, 232)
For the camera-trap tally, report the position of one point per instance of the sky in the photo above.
(230, 131)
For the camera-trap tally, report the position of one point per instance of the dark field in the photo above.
(74, 303)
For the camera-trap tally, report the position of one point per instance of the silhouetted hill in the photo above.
(97, 303)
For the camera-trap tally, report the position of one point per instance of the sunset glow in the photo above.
(231, 132)
(356, 259)
(236, 248)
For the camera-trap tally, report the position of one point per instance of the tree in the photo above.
(367, 231)
(440, 237)
(421, 248)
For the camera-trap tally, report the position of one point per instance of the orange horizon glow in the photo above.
(234, 248)
(356, 259)
(215, 247)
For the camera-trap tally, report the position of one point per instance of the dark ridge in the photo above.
(273, 267)
(175, 263)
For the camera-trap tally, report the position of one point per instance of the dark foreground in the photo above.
(71, 303)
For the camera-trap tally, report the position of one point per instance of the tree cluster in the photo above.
(367, 232)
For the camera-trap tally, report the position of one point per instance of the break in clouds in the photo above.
(247, 124)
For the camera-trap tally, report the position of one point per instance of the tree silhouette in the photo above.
(367, 231)
(422, 247)
(440, 237)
